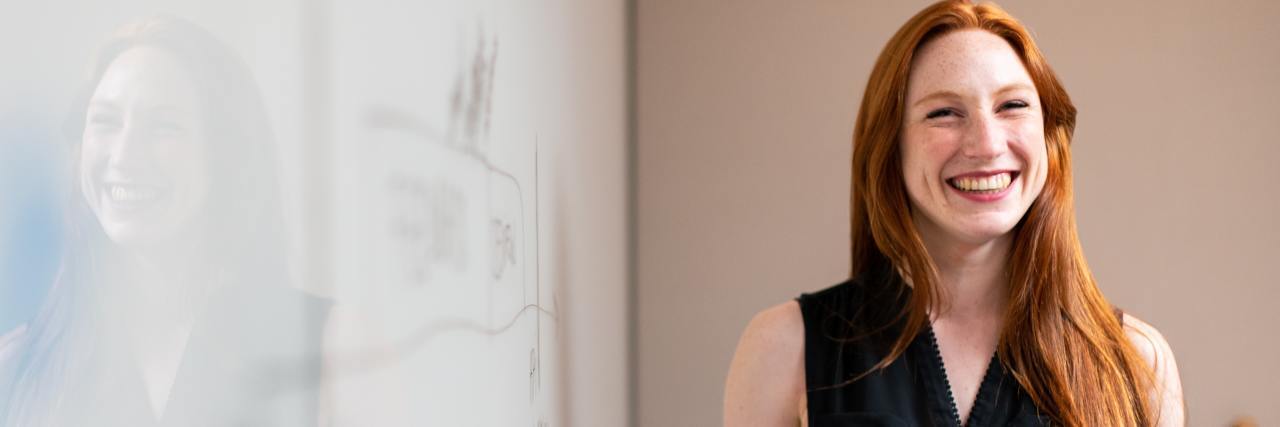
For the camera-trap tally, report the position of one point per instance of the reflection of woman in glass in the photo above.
(970, 302)
(173, 305)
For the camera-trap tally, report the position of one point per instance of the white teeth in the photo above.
(121, 193)
(995, 182)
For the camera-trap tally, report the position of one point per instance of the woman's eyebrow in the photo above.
(98, 104)
(952, 95)
(166, 109)
(939, 94)
(1015, 87)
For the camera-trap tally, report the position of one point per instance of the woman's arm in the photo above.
(1153, 347)
(766, 379)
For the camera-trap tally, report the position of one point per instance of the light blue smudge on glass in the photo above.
(31, 223)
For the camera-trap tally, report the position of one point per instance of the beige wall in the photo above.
(745, 111)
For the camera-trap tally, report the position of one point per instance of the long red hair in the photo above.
(1060, 337)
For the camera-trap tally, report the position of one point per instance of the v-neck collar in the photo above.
(982, 402)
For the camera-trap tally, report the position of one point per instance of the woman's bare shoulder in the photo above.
(1151, 344)
(1153, 348)
(766, 383)
(777, 329)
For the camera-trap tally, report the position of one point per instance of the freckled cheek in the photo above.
(1032, 152)
(93, 157)
(171, 154)
(188, 169)
(89, 167)
(934, 159)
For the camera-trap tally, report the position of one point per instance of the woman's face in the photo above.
(142, 161)
(973, 149)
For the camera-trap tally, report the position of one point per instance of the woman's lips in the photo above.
(133, 196)
(983, 186)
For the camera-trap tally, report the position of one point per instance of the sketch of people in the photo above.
(173, 303)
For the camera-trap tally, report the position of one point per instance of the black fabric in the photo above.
(252, 359)
(851, 326)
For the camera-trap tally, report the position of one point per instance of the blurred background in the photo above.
(565, 212)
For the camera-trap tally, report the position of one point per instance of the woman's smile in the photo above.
(133, 197)
(142, 160)
(972, 144)
(983, 186)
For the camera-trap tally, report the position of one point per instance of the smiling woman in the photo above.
(142, 162)
(970, 301)
(973, 146)
(172, 305)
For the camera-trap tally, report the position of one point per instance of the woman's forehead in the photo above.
(968, 63)
(148, 78)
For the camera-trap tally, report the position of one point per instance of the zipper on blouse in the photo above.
(951, 398)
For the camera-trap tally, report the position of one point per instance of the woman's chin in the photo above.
(129, 236)
(983, 232)
(136, 235)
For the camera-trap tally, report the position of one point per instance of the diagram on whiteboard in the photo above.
(442, 316)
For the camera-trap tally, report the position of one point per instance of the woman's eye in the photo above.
(167, 128)
(944, 112)
(104, 120)
(1013, 104)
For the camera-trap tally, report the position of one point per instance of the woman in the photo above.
(970, 301)
(172, 305)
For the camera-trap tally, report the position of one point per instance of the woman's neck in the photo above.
(972, 278)
(164, 287)
(158, 303)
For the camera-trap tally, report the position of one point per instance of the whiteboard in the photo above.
(445, 119)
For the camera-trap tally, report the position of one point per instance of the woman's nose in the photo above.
(131, 148)
(985, 138)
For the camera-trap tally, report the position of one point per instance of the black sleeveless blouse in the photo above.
(848, 329)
